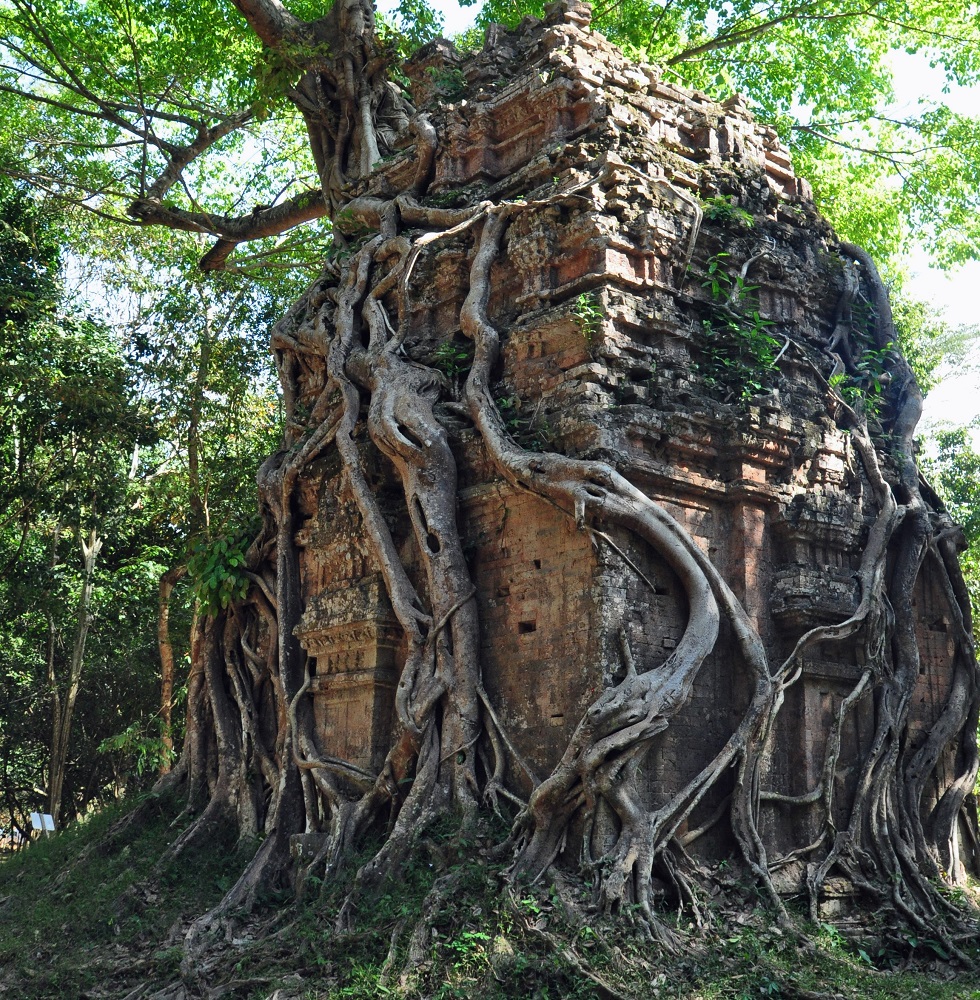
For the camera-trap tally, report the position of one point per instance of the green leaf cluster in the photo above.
(146, 749)
(738, 354)
(722, 208)
(864, 384)
(453, 358)
(588, 310)
(217, 568)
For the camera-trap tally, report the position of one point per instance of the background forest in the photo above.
(137, 396)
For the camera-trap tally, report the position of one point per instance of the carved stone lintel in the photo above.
(352, 683)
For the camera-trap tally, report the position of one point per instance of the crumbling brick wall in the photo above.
(606, 304)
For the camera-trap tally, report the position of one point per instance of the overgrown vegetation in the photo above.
(722, 208)
(589, 312)
(864, 385)
(90, 913)
(174, 119)
(453, 358)
(84, 911)
(217, 568)
(738, 351)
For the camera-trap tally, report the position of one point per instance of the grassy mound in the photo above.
(83, 914)
(87, 914)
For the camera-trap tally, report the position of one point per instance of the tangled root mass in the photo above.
(253, 755)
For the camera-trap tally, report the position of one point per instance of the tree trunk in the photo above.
(54, 692)
(63, 708)
(167, 583)
(199, 507)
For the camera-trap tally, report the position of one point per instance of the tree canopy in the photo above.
(147, 114)
(229, 130)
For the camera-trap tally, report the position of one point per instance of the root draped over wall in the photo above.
(365, 392)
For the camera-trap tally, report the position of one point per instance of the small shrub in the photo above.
(146, 749)
(864, 386)
(448, 81)
(738, 354)
(722, 208)
(452, 358)
(588, 311)
(216, 567)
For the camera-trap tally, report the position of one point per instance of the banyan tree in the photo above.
(597, 507)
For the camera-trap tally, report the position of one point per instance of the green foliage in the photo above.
(415, 23)
(865, 384)
(449, 82)
(453, 358)
(952, 466)
(76, 922)
(280, 70)
(954, 471)
(147, 751)
(201, 350)
(73, 426)
(858, 196)
(928, 342)
(823, 76)
(722, 208)
(524, 424)
(142, 408)
(588, 310)
(31, 240)
(217, 570)
(717, 279)
(148, 422)
(95, 94)
(738, 354)
(509, 407)
(470, 40)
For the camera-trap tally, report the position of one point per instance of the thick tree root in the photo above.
(450, 749)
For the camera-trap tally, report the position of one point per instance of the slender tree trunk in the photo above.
(50, 655)
(195, 735)
(63, 710)
(167, 583)
(198, 501)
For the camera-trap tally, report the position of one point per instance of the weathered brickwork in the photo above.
(604, 300)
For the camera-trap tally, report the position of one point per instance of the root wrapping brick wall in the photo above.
(604, 301)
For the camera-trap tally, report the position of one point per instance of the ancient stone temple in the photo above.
(670, 303)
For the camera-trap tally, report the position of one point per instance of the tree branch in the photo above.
(232, 230)
(731, 38)
(270, 20)
(184, 155)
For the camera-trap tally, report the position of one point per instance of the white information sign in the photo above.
(43, 821)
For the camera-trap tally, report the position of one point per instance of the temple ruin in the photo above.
(668, 298)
